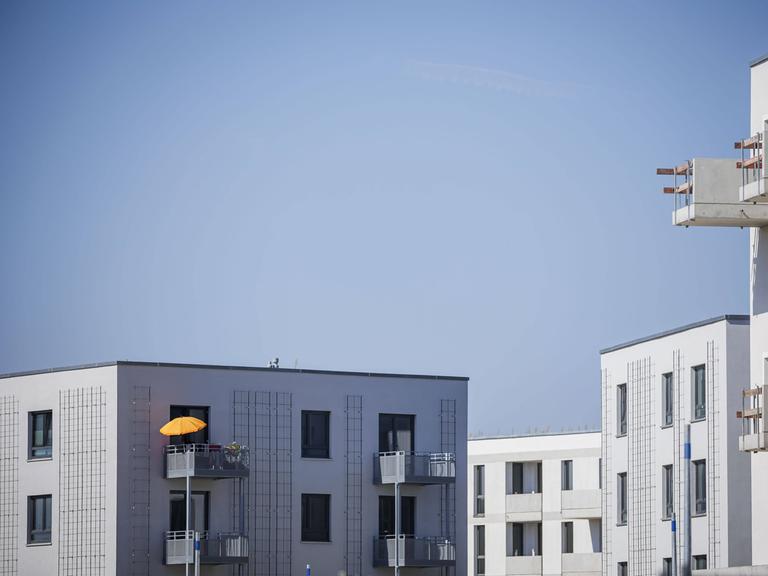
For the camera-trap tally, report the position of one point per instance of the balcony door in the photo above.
(199, 412)
(396, 432)
(198, 511)
(387, 515)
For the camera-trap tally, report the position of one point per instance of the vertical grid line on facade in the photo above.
(448, 491)
(140, 480)
(713, 455)
(354, 487)
(608, 480)
(9, 485)
(82, 482)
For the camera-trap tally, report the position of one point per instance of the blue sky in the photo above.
(438, 187)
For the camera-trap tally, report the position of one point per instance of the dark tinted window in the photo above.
(39, 519)
(316, 517)
(199, 505)
(41, 434)
(315, 434)
(396, 432)
(387, 515)
(199, 412)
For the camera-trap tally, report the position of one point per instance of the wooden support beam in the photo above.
(752, 392)
(751, 143)
(754, 162)
(681, 170)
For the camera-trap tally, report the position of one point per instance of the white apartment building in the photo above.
(731, 193)
(652, 388)
(295, 467)
(534, 505)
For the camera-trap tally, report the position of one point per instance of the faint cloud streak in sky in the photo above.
(493, 79)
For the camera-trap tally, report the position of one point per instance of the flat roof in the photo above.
(228, 367)
(732, 318)
(758, 61)
(532, 435)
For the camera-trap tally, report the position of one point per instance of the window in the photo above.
(39, 519)
(699, 393)
(567, 538)
(700, 487)
(621, 494)
(621, 569)
(600, 473)
(517, 477)
(566, 475)
(479, 550)
(316, 517)
(700, 562)
(396, 432)
(517, 539)
(199, 412)
(621, 409)
(387, 515)
(315, 434)
(668, 491)
(40, 434)
(666, 569)
(526, 477)
(199, 509)
(667, 397)
(538, 477)
(525, 539)
(479, 490)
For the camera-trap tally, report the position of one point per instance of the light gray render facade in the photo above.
(108, 473)
(652, 389)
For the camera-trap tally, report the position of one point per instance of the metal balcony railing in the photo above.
(223, 548)
(414, 467)
(414, 551)
(206, 460)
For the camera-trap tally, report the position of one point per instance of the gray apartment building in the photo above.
(295, 467)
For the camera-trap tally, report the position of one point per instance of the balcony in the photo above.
(523, 507)
(587, 564)
(206, 461)
(581, 503)
(414, 468)
(415, 552)
(754, 176)
(224, 548)
(706, 193)
(523, 565)
(754, 434)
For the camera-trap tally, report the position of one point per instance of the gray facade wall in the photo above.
(111, 501)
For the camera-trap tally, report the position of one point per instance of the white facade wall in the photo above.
(759, 321)
(124, 513)
(723, 533)
(549, 507)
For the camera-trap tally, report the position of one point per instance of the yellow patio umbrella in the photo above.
(182, 425)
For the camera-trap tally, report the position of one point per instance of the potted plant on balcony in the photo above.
(233, 453)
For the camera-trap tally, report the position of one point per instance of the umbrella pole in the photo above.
(186, 528)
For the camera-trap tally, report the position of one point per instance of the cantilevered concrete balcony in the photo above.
(754, 176)
(523, 566)
(523, 507)
(707, 193)
(205, 461)
(416, 552)
(581, 504)
(586, 564)
(414, 468)
(221, 548)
